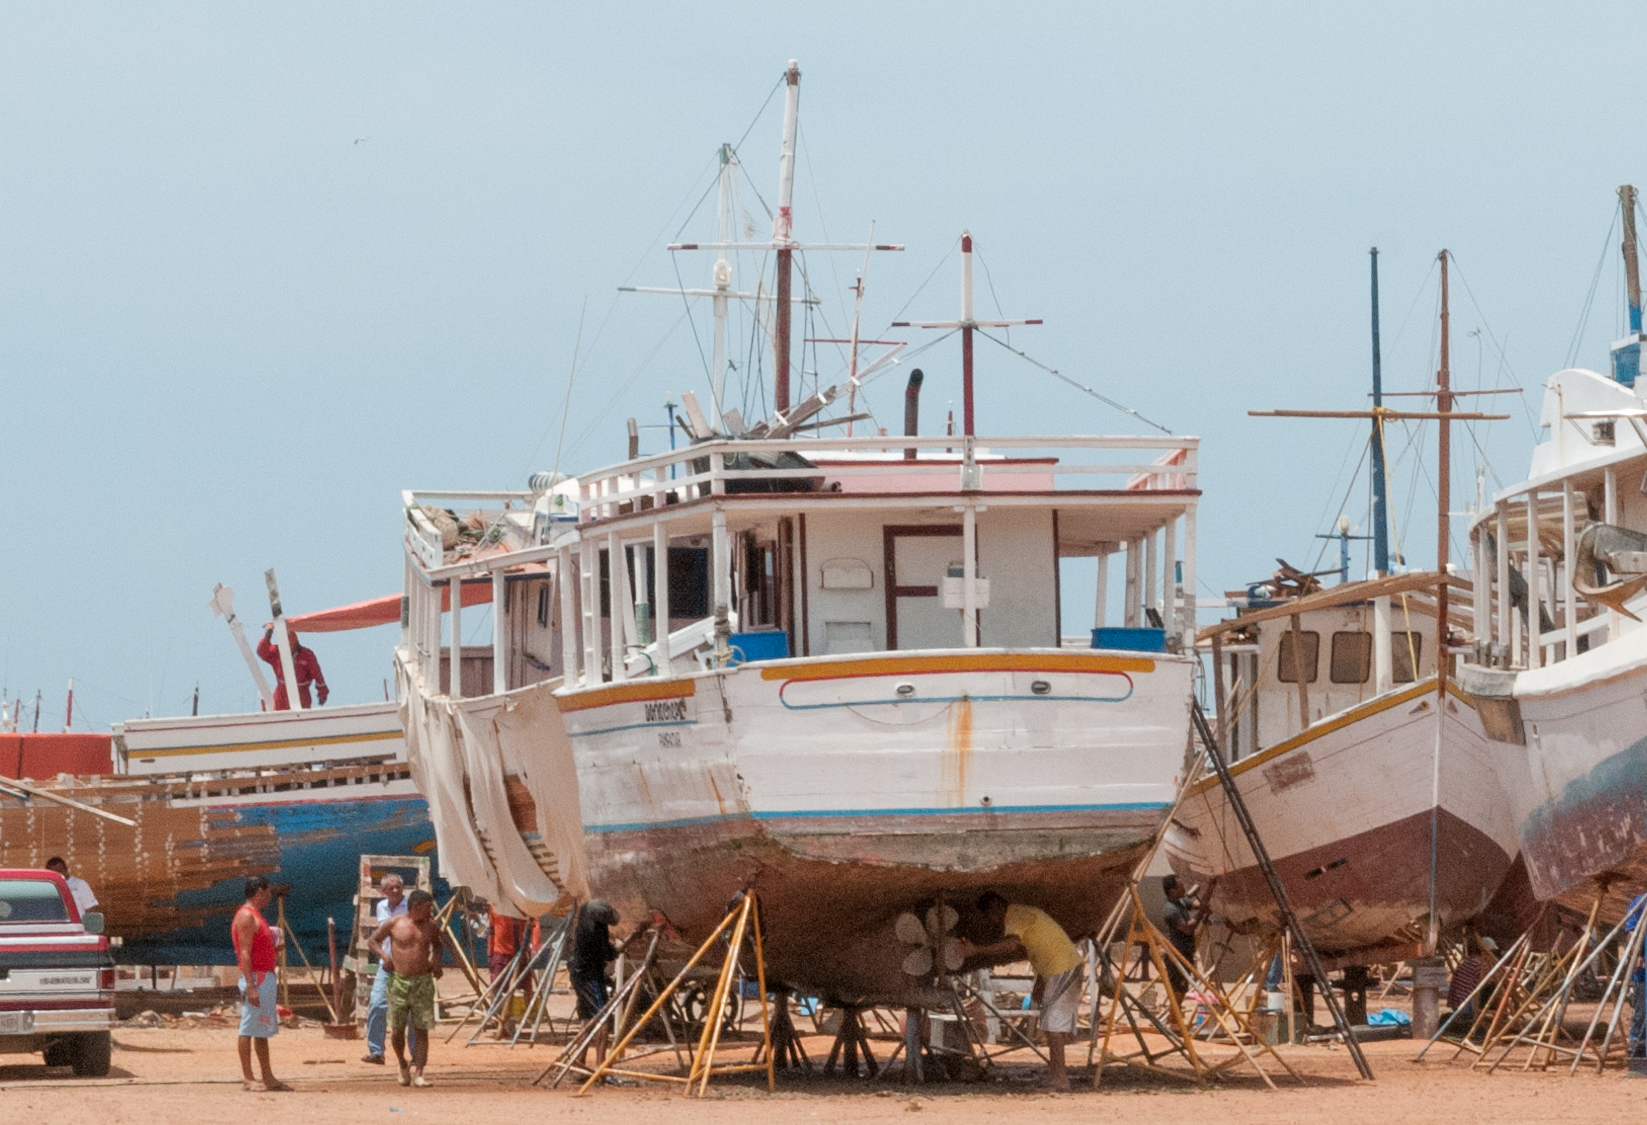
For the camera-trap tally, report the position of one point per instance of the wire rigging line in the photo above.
(1055, 373)
(899, 314)
(686, 301)
(1589, 299)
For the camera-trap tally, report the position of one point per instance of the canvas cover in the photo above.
(461, 752)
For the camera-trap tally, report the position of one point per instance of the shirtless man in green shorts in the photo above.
(414, 960)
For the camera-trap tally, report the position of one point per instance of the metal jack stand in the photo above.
(1301, 941)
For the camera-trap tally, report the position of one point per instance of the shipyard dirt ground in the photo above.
(175, 1075)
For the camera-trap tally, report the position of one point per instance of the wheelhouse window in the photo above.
(1351, 658)
(1286, 668)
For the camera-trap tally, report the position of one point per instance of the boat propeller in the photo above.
(927, 938)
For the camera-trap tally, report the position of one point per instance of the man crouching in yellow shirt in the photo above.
(1058, 965)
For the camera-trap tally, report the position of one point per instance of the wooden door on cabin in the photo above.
(917, 561)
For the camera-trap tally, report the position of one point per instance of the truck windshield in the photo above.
(31, 900)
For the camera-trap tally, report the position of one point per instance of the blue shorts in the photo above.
(591, 996)
(259, 1021)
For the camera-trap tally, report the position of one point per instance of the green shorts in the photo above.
(412, 1001)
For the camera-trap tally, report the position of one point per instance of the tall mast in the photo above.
(966, 324)
(783, 232)
(1443, 406)
(1632, 269)
(723, 281)
(1381, 514)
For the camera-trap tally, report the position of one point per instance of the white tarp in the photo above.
(460, 752)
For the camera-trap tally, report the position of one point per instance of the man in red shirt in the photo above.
(254, 948)
(304, 663)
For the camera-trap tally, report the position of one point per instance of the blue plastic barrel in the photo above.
(768, 644)
(1141, 639)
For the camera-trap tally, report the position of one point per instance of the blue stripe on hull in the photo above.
(321, 844)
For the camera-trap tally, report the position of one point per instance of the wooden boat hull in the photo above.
(1581, 813)
(845, 801)
(223, 798)
(1345, 811)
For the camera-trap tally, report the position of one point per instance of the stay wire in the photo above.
(1055, 373)
(1589, 299)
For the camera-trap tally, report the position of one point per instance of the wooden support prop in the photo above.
(742, 920)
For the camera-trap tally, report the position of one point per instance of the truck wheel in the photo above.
(60, 1052)
(91, 1055)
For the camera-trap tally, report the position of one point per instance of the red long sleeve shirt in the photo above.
(304, 663)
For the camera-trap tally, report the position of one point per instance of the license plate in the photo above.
(16, 1023)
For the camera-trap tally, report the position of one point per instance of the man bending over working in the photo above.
(413, 954)
(1058, 966)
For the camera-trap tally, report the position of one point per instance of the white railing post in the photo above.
(1099, 609)
(1535, 583)
(1564, 578)
(1609, 514)
(969, 576)
(454, 681)
(571, 676)
(1501, 532)
(589, 605)
(616, 571)
(1188, 611)
(1169, 577)
(660, 597)
(500, 634)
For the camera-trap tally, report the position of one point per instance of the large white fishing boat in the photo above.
(1560, 662)
(828, 669)
(1365, 768)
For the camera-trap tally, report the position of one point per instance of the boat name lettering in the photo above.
(82, 979)
(666, 711)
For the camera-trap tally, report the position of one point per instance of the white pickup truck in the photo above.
(56, 975)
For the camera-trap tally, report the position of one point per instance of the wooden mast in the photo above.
(1443, 409)
(783, 236)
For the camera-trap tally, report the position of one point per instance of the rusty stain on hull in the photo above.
(957, 752)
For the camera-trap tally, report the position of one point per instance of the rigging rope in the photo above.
(1055, 373)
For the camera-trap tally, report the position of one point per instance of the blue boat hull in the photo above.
(319, 844)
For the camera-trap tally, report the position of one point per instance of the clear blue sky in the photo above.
(263, 267)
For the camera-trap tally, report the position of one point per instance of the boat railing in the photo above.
(950, 464)
(1521, 547)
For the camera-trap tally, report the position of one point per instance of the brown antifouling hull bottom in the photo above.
(829, 924)
(1366, 898)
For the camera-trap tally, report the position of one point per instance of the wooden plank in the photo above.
(1338, 595)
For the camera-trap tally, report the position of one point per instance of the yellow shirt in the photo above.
(1049, 948)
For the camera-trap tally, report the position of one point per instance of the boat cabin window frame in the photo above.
(1284, 663)
(1350, 661)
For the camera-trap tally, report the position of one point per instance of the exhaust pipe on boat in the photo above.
(912, 409)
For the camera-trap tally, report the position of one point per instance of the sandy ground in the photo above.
(187, 1075)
